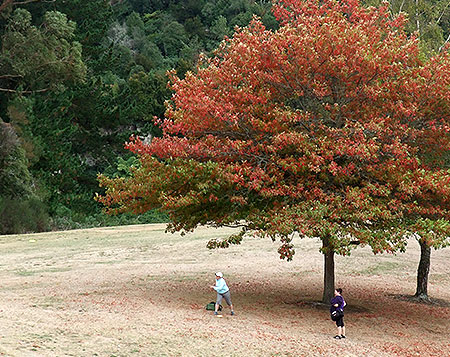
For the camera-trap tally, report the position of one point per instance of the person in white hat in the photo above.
(223, 292)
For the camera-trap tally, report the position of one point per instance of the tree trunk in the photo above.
(423, 271)
(417, 18)
(5, 4)
(328, 277)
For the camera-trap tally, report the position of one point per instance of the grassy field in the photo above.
(137, 291)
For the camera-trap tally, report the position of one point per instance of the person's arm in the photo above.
(333, 303)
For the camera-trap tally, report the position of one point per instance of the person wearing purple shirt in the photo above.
(337, 308)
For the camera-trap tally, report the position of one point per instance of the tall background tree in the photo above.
(314, 129)
(78, 78)
(429, 19)
(33, 60)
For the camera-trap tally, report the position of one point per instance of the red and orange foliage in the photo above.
(333, 126)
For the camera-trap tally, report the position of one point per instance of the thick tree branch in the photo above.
(6, 3)
(442, 13)
(23, 2)
(24, 91)
(446, 41)
(11, 76)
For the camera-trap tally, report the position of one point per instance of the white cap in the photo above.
(219, 274)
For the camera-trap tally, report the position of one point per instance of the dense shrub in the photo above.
(22, 216)
(66, 219)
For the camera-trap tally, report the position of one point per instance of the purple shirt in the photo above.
(337, 300)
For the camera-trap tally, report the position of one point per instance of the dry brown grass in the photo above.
(136, 291)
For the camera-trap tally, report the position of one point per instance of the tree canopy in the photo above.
(39, 58)
(320, 128)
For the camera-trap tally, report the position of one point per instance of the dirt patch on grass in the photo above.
(136, 291)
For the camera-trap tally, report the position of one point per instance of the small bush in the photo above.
(25, 216)
(65, 219)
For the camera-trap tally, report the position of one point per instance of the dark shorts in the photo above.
(226, 296)
(340, 321)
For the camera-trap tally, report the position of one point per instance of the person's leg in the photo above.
(339, 324)
(227, 297)
(338, 336)
(218, 301)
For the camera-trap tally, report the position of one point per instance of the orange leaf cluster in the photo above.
(331, 126)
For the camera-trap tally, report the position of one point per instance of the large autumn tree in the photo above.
(317, 129)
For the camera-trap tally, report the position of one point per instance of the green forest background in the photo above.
(78, 77)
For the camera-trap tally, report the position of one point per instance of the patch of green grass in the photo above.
(186, 278)
(438, 277)
(24, 272)
(55, 270)
(44, 337)
(303, 273)
(49, 301)
(380, 268)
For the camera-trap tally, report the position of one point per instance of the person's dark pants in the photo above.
(340, 321)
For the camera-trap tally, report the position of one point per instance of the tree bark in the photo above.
(5, 4)
(328, 277)
(417, 18)
(423, 271)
